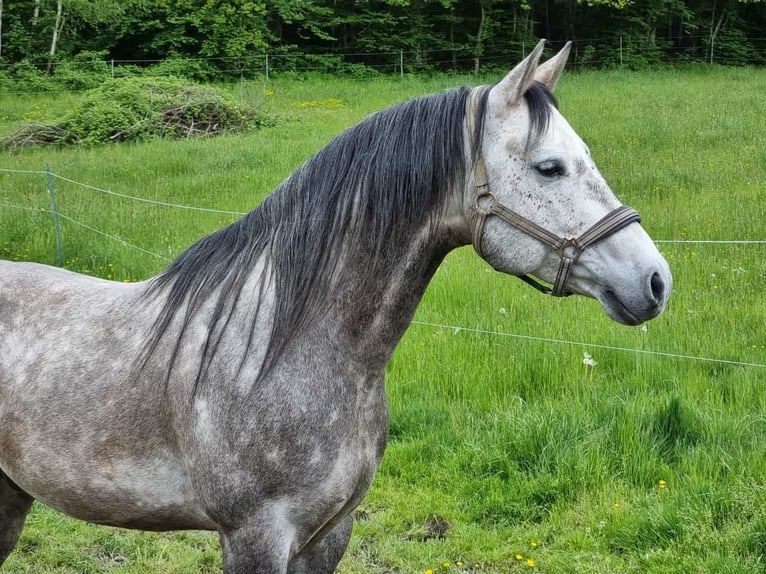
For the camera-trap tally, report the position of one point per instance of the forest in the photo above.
(223, 37)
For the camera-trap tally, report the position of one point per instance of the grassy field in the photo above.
(536, 461)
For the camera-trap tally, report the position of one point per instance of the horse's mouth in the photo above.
(618, 311)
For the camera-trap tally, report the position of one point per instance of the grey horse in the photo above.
(242, 389)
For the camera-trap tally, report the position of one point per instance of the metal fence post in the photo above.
(267, 67)
(57, 224)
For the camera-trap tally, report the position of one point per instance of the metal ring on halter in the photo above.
(483, 192)
(607, 225)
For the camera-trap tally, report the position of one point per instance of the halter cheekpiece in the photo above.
(569, 249)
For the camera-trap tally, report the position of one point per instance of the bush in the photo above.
(135, 109)
(194, 70)
(30, 78)
(84, 71)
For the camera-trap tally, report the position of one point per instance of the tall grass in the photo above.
(641, 463)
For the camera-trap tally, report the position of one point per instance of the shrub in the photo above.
(134, 109)
(28, 77)
(84, 71)
(177, 67)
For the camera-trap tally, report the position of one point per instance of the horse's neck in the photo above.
(371, 316)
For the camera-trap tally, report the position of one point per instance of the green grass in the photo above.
(516, 443)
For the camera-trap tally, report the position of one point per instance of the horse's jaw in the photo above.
(632, 292)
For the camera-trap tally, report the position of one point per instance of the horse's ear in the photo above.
(548, 73)
(508, 91)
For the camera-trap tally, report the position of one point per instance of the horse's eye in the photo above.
(550, 168)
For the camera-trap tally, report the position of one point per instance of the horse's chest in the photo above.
(315, 448)
(341, 441)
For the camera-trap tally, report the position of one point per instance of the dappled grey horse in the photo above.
(241, 390)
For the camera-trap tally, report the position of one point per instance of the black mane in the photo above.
(361, 194)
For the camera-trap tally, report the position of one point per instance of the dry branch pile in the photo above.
(135, 109)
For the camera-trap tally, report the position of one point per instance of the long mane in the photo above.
(358, 198)
(359, 195)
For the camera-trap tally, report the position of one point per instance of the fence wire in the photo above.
(456, 329)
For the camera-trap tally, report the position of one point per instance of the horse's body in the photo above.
(242, 390)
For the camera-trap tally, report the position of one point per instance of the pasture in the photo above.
(507, 452)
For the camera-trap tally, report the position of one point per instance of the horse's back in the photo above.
(57, 316)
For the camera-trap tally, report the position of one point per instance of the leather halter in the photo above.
(569, 249)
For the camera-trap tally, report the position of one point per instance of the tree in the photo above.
(56, 32)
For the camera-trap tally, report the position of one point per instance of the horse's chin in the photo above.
(619, 311)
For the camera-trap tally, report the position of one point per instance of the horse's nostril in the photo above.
(658, 287)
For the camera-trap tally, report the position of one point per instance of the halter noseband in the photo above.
(567, 248)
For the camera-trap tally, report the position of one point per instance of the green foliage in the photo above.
(215, 39)
(135, 109)
(177, 67)
(24, 76)
(733, 48)
(84, 71)
(643, 463)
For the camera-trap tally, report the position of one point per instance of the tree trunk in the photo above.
(715, 29)
(479, 40)
(1, 28)
(56, 31)
(36, 13)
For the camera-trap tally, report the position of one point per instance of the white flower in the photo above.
(503, 310)
(588, 360)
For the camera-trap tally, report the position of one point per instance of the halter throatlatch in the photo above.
(567, 248)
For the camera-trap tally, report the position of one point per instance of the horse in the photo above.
(241, 390)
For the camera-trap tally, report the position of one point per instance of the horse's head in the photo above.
(538, 204)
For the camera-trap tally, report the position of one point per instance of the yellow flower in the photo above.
(429, 571)
(663, 484)
(459, 563)
(533, 544)
(519, 557)
(531, 563)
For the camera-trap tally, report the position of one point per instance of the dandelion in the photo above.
(429, 571)
(519, 557)
(530, 563)
(533, 544)
(588, 361)
(459, 563)
(663, 484)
